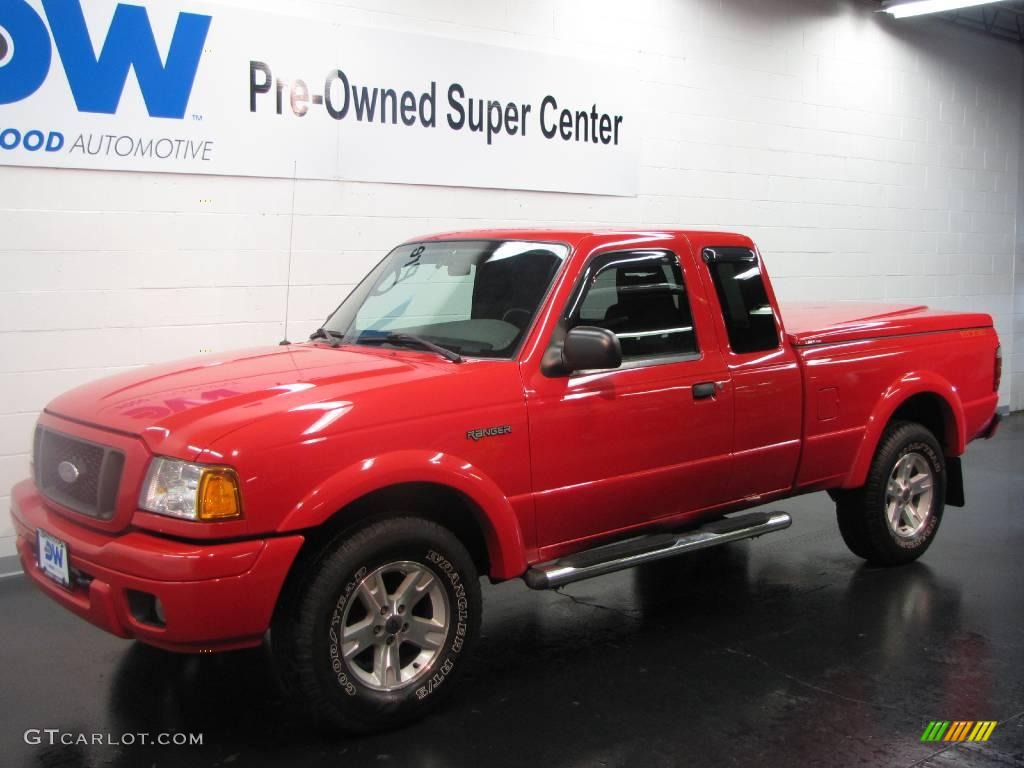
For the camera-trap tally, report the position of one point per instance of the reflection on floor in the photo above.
(782, 651)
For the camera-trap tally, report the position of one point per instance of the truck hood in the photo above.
(180, 408)
(844, 321)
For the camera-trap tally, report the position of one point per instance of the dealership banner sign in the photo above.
(184, 87)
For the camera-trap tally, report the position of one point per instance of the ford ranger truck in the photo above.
(550, 405)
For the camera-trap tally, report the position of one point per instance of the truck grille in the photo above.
(76, 473)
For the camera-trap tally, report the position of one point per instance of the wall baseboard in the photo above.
(9, 565)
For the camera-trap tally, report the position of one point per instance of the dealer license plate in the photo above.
(53, 558)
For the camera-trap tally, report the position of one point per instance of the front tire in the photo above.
(894, 517)
(372, 633)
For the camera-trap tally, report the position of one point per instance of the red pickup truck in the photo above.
(550, 405)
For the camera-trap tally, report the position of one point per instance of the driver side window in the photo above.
(641, 298)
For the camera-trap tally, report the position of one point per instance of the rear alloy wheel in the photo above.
(908, 495)
(371, 632)
(894, 517)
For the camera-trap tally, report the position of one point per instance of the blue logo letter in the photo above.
(25, 46)
(97, 84)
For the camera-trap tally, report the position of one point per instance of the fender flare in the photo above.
(908, 385)
(497, 519)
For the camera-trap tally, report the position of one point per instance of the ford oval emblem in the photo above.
(68, 472)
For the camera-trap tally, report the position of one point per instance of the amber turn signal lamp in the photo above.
(219, 498)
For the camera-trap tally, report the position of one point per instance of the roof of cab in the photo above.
(573, 237)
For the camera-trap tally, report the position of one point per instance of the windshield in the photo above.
(474, 297)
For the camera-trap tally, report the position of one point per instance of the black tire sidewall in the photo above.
(900, 440)
(349, 703)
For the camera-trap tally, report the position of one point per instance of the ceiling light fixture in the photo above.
(920, 7)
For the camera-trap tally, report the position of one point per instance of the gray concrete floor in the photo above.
(783, 651)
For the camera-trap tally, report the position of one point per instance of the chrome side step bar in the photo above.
(644, 549)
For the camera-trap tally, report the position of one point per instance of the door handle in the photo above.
(704, 390)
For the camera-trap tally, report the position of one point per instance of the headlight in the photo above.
(190, 491)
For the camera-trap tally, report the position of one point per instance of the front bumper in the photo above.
(214, 596)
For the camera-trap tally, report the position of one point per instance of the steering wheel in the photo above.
(517, 317)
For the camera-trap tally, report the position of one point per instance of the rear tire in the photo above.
(373, 631)
(894, 517)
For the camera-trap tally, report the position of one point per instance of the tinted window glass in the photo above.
(475, 297)
(642, 299)
(744, 301)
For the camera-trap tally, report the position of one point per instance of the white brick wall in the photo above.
(1013, 368)
(871, 159)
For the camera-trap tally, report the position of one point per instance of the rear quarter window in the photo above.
(739, 285)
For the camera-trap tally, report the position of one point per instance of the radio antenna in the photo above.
(291, 235)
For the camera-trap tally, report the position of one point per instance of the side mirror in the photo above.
(587, 348)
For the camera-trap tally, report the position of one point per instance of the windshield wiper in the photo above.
(331, 337)
(410, 340)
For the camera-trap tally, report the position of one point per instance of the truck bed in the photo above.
(808, 323)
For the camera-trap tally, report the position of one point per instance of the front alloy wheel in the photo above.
(393, 630)
(371, 631)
